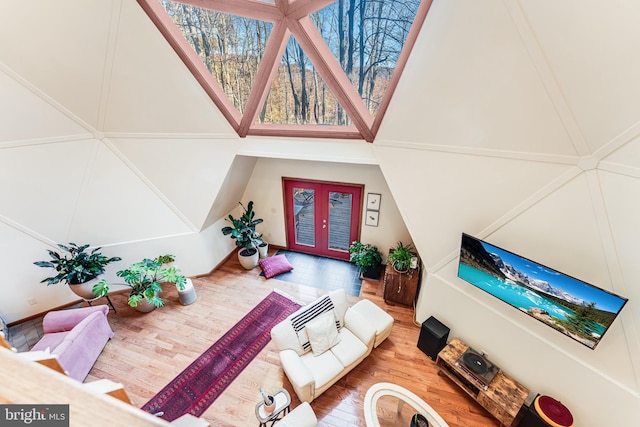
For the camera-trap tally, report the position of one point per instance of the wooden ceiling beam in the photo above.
(301, 8)
(305, 131)
(248, 8)
(267, 70)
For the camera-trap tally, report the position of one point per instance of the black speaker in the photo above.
(532, 419)
(433, 337)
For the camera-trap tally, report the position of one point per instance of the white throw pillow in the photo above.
(340, 305)
(322, 333)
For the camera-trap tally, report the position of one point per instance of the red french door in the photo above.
(322, 218)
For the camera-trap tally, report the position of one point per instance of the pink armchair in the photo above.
(77, 336)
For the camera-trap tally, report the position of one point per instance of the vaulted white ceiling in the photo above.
(514, 120)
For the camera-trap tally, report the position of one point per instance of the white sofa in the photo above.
(298, 337)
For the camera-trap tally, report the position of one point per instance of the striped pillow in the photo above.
(299, 321)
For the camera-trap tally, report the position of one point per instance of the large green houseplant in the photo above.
(243, 231)
(401, 257)
(367, 258)
(76, 266)
(145, 279)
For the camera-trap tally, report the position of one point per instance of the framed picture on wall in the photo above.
(372, 218)
(373, 201)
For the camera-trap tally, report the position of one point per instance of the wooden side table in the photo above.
(283, 407)
(400, 287)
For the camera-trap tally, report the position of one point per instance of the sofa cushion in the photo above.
(325, 368)
(274, 265)
(379, 319)
(300, 318)
(350, 349)
(340, 305)
(66, 320)
(322, 333)
(50, 341)
(284, 337)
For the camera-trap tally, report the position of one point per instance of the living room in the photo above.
(514, 121)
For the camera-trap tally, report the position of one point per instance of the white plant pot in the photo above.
(145, 306)
(263, 249)
(85, 290)
(188, 294)
(248, 262)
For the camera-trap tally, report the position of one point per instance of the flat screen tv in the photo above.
(577, 309)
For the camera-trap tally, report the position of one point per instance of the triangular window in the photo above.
(319, 68)
(299, 95)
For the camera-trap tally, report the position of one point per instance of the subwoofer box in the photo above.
(433, 337)
(532, 419)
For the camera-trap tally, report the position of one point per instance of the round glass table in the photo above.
(387, 404)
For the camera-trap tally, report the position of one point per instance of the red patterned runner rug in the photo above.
(200, 384)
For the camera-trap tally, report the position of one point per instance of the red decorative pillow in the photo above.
(274, 265)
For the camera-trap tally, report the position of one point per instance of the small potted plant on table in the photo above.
(401, 257)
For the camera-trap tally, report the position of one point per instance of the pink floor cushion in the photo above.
(274, 265)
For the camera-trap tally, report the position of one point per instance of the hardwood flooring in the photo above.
(149, 350)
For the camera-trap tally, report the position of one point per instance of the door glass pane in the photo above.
(303, 210)
(340, 220)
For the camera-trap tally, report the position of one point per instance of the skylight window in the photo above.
(319, 68)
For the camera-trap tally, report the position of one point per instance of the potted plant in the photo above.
(401, 257)
(186, 292)
(367, 258)
(76, 267)
(243, 231)
(145, 278)
(263, 249)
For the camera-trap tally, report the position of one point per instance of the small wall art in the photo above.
(373, 201)
(371, 218)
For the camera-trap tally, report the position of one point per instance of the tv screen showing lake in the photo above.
(575, 308)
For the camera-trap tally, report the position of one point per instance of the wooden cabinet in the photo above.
(503, 398)
(401, 287)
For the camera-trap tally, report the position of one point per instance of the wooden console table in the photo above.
(503, 398)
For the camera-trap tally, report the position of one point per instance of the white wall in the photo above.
(517, 121)
(265, 189)
(529, 139)
(106, 139)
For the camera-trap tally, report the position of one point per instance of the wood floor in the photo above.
(149, 350)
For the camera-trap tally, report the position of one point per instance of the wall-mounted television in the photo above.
(577, 309)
